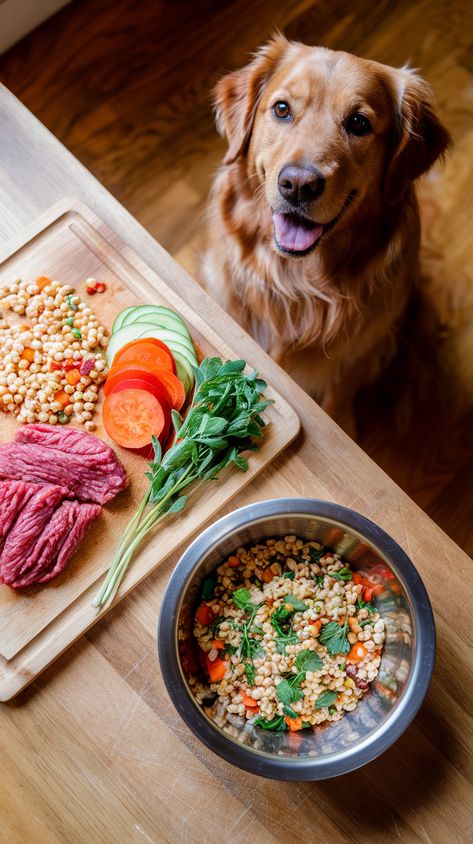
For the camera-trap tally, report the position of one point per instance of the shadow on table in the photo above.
(384, 793)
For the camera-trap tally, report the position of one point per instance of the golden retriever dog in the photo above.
(314, 226)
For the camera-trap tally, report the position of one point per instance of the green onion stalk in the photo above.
(223, 421)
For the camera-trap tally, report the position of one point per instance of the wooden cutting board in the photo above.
(37, 624)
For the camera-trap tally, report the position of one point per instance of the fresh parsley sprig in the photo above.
(223, 421)
(308, 660)
(334, 637)
(325, 699)
(284, 638)
(287, 609)
(288, 691)
(242, 599)
(277, 723)
(316, 553)
(342, 574)
(249, 648)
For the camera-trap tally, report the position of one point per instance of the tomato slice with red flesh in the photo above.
(173, 386)
(157, 390)
(132, 417)
(146, 351)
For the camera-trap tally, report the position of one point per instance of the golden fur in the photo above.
(331, 317)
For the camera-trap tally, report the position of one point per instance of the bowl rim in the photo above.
(308, 767)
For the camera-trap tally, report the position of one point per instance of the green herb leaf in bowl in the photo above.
(308, 660)
(325, 699)
(334, 637)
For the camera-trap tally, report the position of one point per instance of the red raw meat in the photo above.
(57, 543)
(43, 469)
(86, 514)
(13, 497)
(20, 542)
(80, 461)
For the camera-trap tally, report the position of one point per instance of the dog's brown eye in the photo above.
(358, 124)
(282, 110)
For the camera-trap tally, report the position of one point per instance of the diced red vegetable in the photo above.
(249, 701)
(216, 669)
(87, 366)
(294, 724)
(357, 653)
(204, 614)
(73, 377)
(233, 561)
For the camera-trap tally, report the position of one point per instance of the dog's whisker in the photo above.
(259, 191)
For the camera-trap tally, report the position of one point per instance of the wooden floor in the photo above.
(126, 87)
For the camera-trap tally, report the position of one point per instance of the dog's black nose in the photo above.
(300, 184)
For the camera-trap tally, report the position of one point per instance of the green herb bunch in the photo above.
(223, 421)
(250, 647)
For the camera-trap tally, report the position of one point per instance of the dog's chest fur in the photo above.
(301, 308)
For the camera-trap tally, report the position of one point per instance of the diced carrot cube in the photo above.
(73, 376)
(294, 724)
(42, 282)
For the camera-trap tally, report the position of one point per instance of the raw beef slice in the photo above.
(13, 497)
(80, 461)
(21, 541)
(57, 543)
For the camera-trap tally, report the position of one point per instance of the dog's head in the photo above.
(324, 133)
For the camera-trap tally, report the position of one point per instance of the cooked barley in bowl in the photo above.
(288, 637)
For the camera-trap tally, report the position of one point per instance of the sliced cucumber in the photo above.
(153, 314)
(184, 371)
(162, 309)
(183, 357)
(172, 339)
(118, 322)
(161, 321)
(177, 343)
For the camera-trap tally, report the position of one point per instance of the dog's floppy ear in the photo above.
(421, 138)
(237, 96)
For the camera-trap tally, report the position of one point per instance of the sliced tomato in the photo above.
(146, 351)
(132, 417)
(157, 390)
(174, 387)
(132, 374)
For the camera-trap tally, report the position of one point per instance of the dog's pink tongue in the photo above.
(294, 234)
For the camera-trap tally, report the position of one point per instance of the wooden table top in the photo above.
(94, 750)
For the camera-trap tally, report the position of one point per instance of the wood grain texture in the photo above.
(94, 748)
(126, 85)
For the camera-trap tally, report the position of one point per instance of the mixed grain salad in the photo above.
(51, 353)
(287, 635)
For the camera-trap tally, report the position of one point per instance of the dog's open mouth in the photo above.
(297, 235)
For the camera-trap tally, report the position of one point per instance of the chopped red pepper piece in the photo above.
(204, 614)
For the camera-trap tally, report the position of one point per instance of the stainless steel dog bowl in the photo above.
(407, 660)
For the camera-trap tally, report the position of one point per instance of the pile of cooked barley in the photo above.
(289, 636)
(52, 366)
